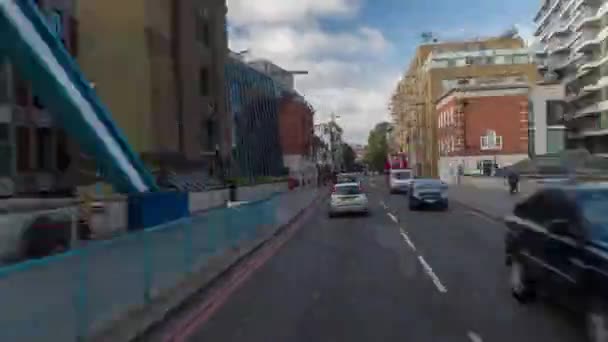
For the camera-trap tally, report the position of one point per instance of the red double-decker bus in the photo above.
(396, 161)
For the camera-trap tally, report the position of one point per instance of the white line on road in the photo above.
(474, 337)
(393, 217)
(433, 276)
(407, 240)
(383, 205)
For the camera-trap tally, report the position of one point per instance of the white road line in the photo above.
(474, 337)
(383, 205)
(393, 217)
(407, 240)
(433, 276)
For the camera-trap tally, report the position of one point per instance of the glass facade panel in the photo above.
(556, 139)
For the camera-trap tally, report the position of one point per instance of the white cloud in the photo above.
(245, 12)
(526, 32)
(348, 73)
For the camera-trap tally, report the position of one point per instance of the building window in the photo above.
(62, 156)
(23, 149)
(204, 82)
(5, 95)
(21, 92)
(521, 59)
(556, 139)
(211, 131)
(555, 112)
(55, 23)
(491, 141)
(37, 103)
(460, 62)
(203, 27)
(4, 133)
(6, 150)
(44, 151)
(442, 63)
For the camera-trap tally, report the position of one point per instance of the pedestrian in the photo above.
(513, 179)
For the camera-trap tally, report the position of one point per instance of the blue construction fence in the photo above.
(70, 296)
(156, 208)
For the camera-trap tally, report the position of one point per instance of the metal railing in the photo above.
(69, 297)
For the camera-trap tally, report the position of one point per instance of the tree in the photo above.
(377, 147)
(348, 157)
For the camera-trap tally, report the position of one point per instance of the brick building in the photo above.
(158, 65)
(35, 152)
(296, 129)
(480, 127)
(438, 67)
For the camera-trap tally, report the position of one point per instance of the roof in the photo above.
(484, 87)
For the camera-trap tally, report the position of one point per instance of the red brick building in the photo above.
(482, 126)
(296, 118)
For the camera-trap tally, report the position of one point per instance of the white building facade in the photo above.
(572, 52)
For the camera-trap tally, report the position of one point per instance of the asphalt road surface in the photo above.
(396, 275)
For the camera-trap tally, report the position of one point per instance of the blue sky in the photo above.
(356, 50)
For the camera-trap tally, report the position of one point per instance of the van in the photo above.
(400, 180)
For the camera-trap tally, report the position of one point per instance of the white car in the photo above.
(400, 180)
(348, 198)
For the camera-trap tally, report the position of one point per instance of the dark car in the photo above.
(557, 245)
(432, 193)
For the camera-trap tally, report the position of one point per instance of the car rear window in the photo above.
(347, 179)
(348, 190)
(402, 175)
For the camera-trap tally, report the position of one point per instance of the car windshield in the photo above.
(348, 190)
(594, 207)
(402, 175)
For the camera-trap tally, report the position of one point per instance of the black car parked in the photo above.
(557, 245)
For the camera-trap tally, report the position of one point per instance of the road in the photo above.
(396, 275)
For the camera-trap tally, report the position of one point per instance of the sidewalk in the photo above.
(492, 202)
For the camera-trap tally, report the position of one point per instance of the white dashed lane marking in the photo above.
(383, 205)
(393, 217)
(407, 240)
(432, 275)
(474, 337)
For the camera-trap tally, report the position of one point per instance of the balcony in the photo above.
(563, 46)
(592, 19)
(552, 7)
(591, 109)
(590, 45)
(562, 63)
(568, 5)
(599, 85)
(594, 64)
(563, 27)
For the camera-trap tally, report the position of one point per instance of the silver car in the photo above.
(348, 198)
(428, 193)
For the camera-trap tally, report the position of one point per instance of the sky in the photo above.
(356, 50)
